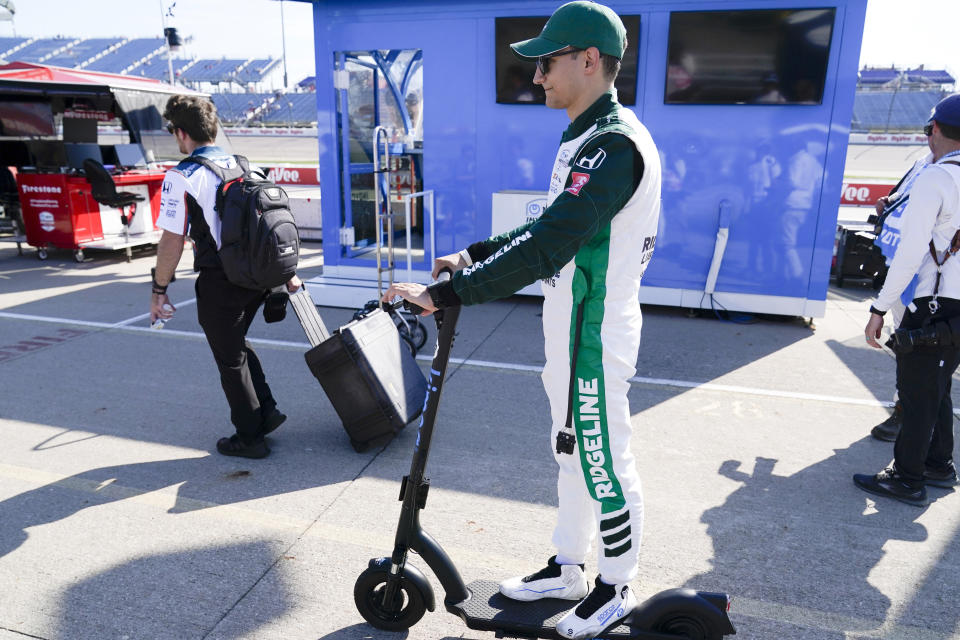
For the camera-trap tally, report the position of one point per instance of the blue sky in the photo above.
(896, 31)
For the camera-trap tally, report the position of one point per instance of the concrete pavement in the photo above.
(119, 520)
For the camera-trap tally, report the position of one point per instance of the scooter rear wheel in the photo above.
(407, 608)
(687, 627)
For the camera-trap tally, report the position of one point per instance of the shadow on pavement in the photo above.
(783, 539)
(876, 369)
(204, 483)
(364, 631)
(186, 595)
(934, 602)
(27, 274)
(701, 347)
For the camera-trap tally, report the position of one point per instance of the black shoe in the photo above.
(945, 479)
(234, 446)
(604, 608)
(889, 428)
(891, 484)
(273, 420)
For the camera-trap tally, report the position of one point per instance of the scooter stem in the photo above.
(410, 534)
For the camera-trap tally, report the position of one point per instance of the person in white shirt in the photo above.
(929, 237)
(225, 310)
(887, 241)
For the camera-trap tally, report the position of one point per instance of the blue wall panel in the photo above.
(775, 171)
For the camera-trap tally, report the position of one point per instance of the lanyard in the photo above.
(934, 304)
(567, 437)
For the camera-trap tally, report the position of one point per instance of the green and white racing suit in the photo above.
(591, 246)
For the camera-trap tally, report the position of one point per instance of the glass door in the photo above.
(381, 88)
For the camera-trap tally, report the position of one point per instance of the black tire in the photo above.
(413, 330)
(685, 626)
(408, 607)
(407, 341)
(418, 333)
(841, 249)
(879, 278)
(42, 254)
(78, 255)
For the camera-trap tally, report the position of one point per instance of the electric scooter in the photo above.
(393, 595)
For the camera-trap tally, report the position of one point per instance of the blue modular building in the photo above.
(749, 102)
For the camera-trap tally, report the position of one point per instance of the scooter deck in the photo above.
(489, 610)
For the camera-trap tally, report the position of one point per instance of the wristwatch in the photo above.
(158, 288)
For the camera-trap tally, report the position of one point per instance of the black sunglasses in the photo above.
(543, 62)
(928, 129)
(171, 128)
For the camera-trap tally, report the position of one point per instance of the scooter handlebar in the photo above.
(390, 306)
(445, 274)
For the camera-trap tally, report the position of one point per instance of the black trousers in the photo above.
(924, 379)
(225, 312)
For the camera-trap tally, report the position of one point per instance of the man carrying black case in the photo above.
(225, 307)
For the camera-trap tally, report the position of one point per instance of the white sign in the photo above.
(512, 209)
(46, 221)
(296, 132)
(888, 138)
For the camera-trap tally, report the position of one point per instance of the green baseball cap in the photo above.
(579, 24)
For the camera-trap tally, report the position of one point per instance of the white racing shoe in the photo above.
(564, 581)
(606, 605)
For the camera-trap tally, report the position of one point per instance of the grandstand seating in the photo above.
(40, 48)
(878, 76)
(8, 44)
(893, 110)
(129, 53)
(157, 68)
(82, 51)
(933, 76)
(213, 70)
(236, 107)
(256, 70)
(293, 108)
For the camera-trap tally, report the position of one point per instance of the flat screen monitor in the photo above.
(763, 56)
(47, 155)
(14, 153)
(130, 156)
(109, 155)
(515, 75)
(79, 151)
(26, 119)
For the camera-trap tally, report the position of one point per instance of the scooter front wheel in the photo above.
(685, 626)
(407, 340)
(407, 608)
(416, 332)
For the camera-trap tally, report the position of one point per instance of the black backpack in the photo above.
(259, 240)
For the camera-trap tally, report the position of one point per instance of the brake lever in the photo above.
(445, 274)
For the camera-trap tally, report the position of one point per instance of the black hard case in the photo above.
(859, 257)
(370, 376)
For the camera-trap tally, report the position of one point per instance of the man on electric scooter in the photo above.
(590, 247)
